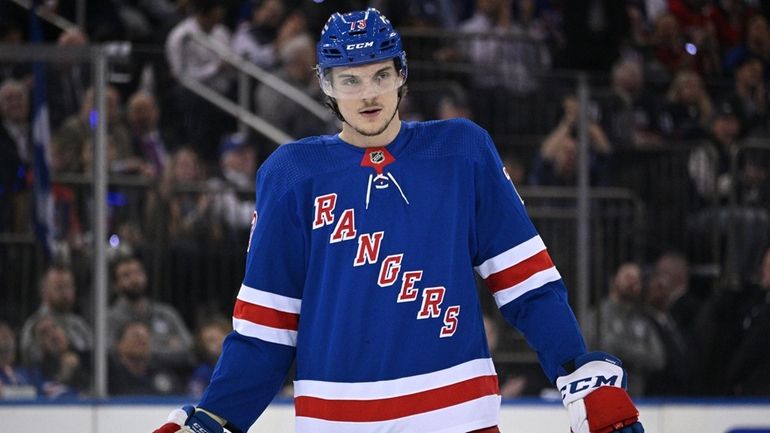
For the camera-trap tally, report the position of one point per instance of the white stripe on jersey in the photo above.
(536, 281)
(273, 335)
(508, 258)
(270, 300)
(395, 387)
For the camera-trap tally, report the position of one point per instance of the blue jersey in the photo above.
(361, 267)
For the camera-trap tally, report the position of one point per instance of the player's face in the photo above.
(367, 97)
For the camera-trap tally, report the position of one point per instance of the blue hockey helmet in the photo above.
(358, 38)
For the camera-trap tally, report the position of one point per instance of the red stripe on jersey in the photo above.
(265, 316)
(519, 272)
(396, 407)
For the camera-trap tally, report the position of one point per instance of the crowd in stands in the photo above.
(678, 113)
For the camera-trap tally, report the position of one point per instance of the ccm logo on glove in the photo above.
(588, 382)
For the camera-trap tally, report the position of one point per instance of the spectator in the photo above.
(679, 375)
(64, 372)
(556, 163)
(255, 40)
(73, 135)
(208, 344)
(681, 303)
(149, 142)
(619, 325)
(748, 371)
(755, 45)
(297, 62)
(187, 212)
(57, 300)
(171, 342)
(133, 368)
(688, 108)
(15, 382)
(695, 20)
(716, 182)
(454, 104)
(631, 115)
(67, 82)
(15, 156)
(749, 97)
(668, 50)
(197, 121)
(238, 168)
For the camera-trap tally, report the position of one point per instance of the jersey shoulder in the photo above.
(461, 138)
(294, 162)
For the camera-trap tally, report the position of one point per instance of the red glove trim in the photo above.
(169, 427)
(608, 409)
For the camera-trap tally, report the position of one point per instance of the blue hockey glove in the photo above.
(188, 420)
(595, 396)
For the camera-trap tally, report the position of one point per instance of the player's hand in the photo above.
(188, 420)
(596, 398)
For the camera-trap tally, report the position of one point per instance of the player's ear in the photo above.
(402, 91)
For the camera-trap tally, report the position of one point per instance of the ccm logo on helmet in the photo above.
(359, 45)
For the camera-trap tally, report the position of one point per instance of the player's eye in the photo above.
(350, 81)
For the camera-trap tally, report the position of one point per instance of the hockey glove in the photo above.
(595, 396)
(189, 420)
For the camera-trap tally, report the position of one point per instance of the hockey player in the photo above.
(361, 268)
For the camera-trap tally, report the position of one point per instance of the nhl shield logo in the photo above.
(377, 157)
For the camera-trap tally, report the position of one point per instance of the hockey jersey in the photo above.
(361, 267)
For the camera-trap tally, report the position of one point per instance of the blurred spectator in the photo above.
(748, 371)
(171, 342)
(255, 40)
(621, 327)
(421, 13)
(680, 302)
(695, 20)
(181, 201)
(15, 382)
(149, 142)
(756, 45)
(719, 328)
(57, 300)
(688, 109)
(208, 345)
(556, 163)
(514, 54)
(64, 372)
(297, 63)
(238, 168)
(67, 81)
(15, 156)
(11, 32)
(117, 161)
(454, 104)
(631, 115)
(196, 121)
(133, 369)
(733, 187)
(74, 134)
(668, 48)
(731, 18)
(679, 375)
(749, 97)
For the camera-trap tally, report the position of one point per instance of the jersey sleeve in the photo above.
(513, 261)
(257, 355)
